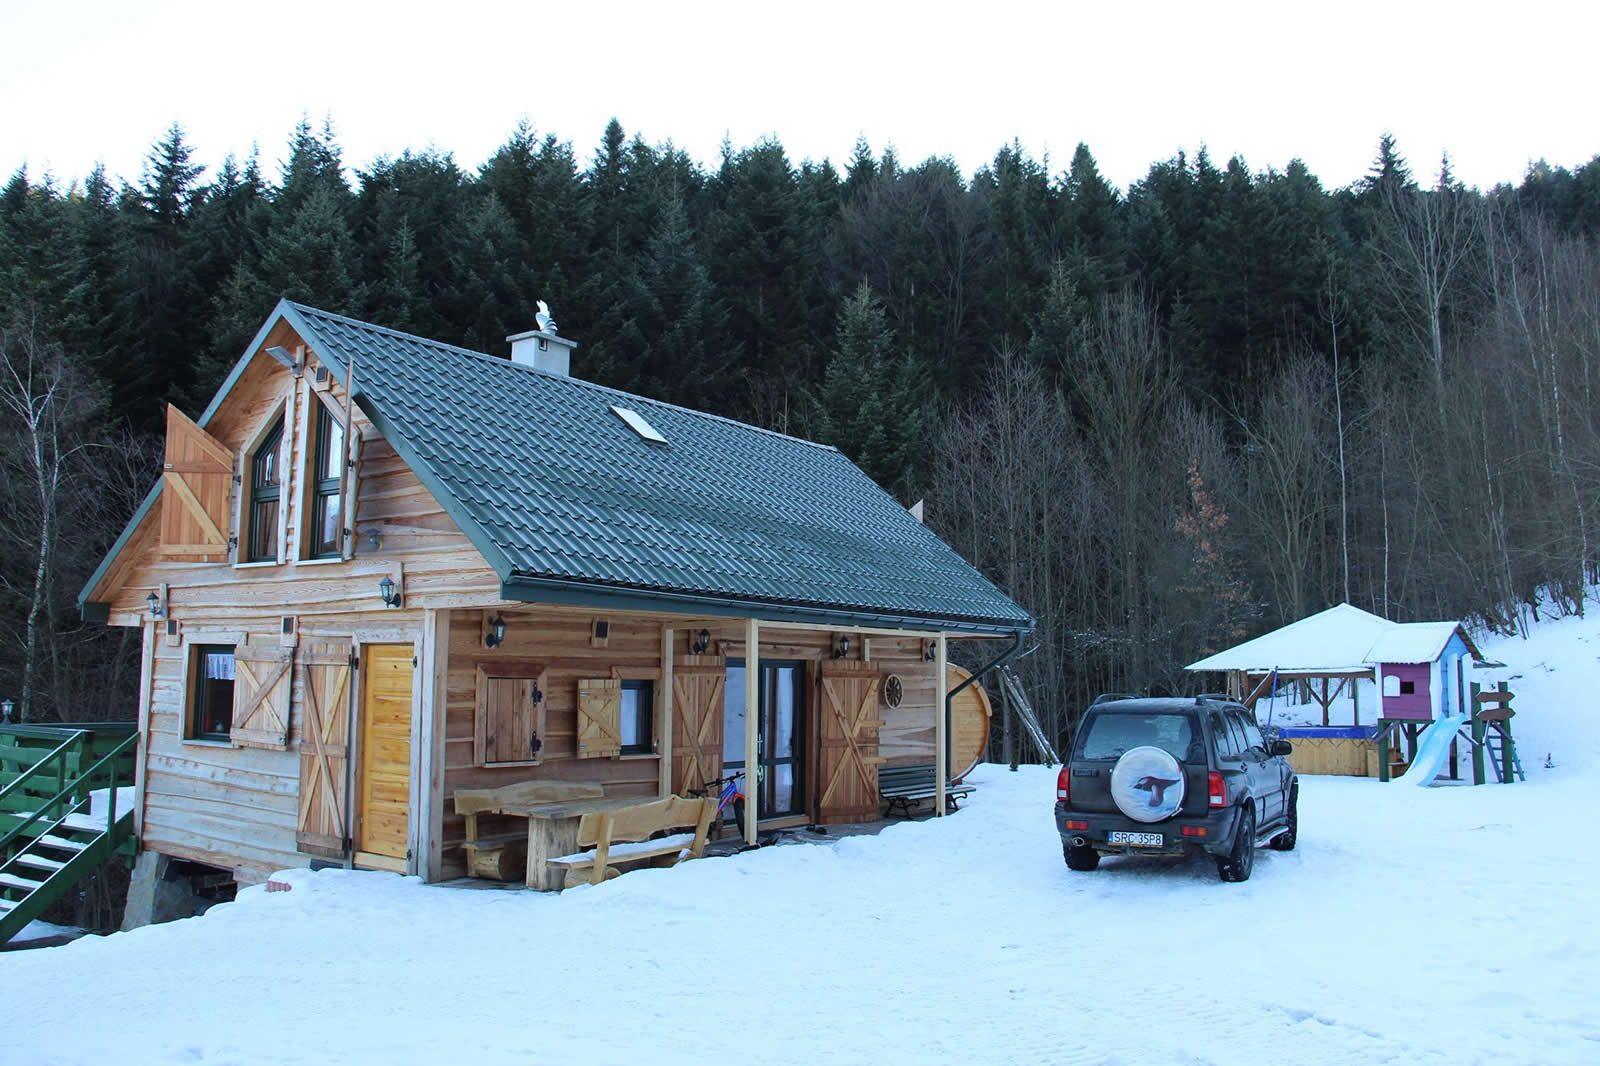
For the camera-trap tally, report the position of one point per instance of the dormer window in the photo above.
(324, 534)
(266, 490)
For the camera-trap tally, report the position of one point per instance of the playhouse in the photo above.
(1391, 681)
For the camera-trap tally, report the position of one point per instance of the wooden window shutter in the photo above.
(509, 725)
(323, 825)
(261, 686)
(196, 492)
(599, 718)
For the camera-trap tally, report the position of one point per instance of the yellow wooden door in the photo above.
(385, 753)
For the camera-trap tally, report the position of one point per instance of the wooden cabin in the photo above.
(379, 569)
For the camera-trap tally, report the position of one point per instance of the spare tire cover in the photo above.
(1147, 784)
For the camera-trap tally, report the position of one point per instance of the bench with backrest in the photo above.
(503, 855)
(901, 786)
(629, 837)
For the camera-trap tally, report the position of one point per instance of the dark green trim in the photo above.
(580, 594)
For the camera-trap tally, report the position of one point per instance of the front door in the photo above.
(779, 723)
(849, 717)
(385, 787)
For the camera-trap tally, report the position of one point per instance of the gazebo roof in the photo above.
(1340, 640)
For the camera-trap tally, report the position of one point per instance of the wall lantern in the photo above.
(494, 634)
(702, 641)
(157, 607)
(842, 648)
(930, 650)
(391, 597)
(374, 540)
(7, 707)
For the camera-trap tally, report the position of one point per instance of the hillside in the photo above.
(1448, 924)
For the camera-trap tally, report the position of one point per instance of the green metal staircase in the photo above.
(60, 815)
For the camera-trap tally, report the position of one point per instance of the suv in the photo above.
(1174, 777)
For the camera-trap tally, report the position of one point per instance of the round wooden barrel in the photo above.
(969, 723)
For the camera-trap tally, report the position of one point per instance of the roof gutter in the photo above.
(585, 594)
(949, 697)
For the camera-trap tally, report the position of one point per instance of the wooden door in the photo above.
(848, 723)
(323, 825)
(698, 684)
(385, 754)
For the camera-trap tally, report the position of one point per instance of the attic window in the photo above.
(635, 421)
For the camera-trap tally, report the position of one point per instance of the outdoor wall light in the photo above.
(702, 641)
(930, 650)
(7, 707)
(386, 589)
(157, 608)
(373, 540)
(494, 634)
(842, 648)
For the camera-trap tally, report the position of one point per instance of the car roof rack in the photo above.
(1220, 697)
(1107, 697)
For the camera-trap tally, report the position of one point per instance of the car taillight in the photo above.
(1216, 791)
(1063, 786)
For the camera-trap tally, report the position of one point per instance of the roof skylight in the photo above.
(635, 421)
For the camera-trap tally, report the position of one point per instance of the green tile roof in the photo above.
(568, 504)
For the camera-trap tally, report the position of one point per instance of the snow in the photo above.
(1342, 639)
(1412, 925)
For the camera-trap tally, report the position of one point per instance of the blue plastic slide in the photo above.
(1432, 749)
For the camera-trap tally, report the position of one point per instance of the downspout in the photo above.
(949, 698)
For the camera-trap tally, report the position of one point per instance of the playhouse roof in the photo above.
(1340, 640)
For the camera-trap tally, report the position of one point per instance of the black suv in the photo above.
(1174, 776)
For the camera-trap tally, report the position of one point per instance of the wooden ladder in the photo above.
(1495, 741)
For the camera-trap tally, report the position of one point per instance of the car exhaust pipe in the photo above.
(1080, 842)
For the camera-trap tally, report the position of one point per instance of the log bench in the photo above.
(503, 856)
(628, 837)
(901, 786)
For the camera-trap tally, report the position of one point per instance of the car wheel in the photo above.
(1081, 859)
(1285, 840)
(1237, 864)
(1147, 784)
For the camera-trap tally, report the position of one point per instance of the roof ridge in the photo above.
(577, 382)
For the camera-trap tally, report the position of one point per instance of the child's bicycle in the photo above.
(727, 791)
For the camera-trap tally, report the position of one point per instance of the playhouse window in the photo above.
(637, 717)
(266, 489)
(325, 482)
(212, 692)
(1408, 688)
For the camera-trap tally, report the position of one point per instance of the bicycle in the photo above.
(728, 793)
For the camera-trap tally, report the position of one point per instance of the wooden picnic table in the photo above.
(553, 832)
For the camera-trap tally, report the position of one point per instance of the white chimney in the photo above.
(541, 348)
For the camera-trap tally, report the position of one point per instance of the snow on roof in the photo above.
(1412, 642)
(1338, 640)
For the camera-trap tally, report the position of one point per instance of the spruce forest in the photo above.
(1163, 419)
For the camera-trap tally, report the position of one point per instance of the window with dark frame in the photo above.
(1408, 688)
(327, 482)
(266, 489)
(211, 692)
(637, 719)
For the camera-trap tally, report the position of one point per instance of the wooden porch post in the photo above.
(752, 718)
(941, 757)
(664, 723)
(435, 662)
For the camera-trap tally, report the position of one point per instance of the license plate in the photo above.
(1138, 840)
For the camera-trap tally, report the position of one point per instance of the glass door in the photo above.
(780, 732)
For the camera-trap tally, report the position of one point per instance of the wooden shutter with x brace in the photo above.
(323, 825)
(599, 718)
(196, 482)
(699, 683)
(261, 687)
(848, 767)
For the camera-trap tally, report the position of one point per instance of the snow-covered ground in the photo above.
(1437, 925)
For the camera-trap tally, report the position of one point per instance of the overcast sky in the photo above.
(1496, 86)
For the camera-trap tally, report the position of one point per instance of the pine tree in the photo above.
(870, 404)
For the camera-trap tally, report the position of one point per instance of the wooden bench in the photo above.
(503, 856)
(901, 786)
(627, 837)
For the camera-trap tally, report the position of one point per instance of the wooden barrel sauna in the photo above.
(970, 713)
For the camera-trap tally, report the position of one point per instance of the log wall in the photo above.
(234, 807)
